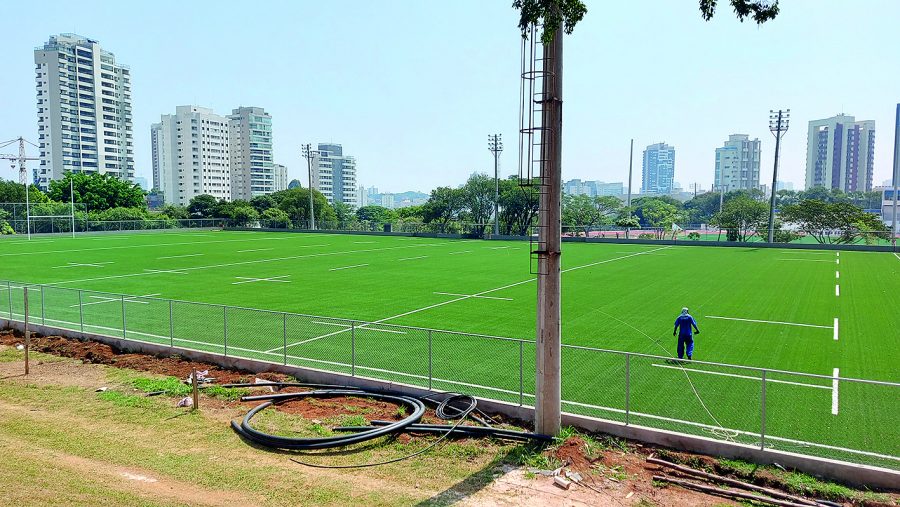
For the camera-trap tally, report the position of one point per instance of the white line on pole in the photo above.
(835, 329)
(767, 321)
(733, 375)
(834, 392)
(837, 290)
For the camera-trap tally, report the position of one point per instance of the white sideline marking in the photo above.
(246, 279)
(348, 267)
(255, 250)
(84, 264)
(417, 310)
(238, 263)
(834, 392)
(106, 299)
(838, 254)
(179, 256)
(463, 252)
(837, 275)
(413, 258)
(349, 326)
(147, 272)
(837, 290)
(497, 247)
(768, 321)
(837, 261)
(734, 375)
(835, 329)
(804, 260)
(472, 295)
(896, 255)
(142, 246)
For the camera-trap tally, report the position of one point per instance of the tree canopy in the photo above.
(99, 192)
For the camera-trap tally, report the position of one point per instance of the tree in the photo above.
(550, 14)
(661, 215)
(276, 218)
(13, 192)
(97, 191)
(518, 207)
(244, 215)
(478, 196)
(444, 205)
(174, 211)
(834, 222)
(5, 228)
(343, 212)
(376, 214)
(295, 202)
(742, 218)
(410, 214)
(262, 202)
(203, 206)
(760, 10)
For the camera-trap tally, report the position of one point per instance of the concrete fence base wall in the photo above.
(848, 473)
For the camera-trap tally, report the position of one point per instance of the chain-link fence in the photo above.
(822, 415)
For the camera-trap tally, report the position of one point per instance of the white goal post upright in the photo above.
(70, 216)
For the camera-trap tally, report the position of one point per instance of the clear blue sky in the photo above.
(413, 88)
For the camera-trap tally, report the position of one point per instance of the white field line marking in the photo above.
(734, 375)
(413, 258)
(238, 263)
(180, 256)
(363, 242)
(768, 321)
(896, 255)
(147, 272)
(837, 290)
(83, 264)
(834, 392)
(838, 254)
(837, 261)
(348, 267)
(255, 250)
(106, 299)
(348, 326)
(417, 310)
(497, 247)
(463, 252)
(803, 260)
(143, 246)
(487, 388)
(471, 295)
(837, 275)
(246, 279)
(835, 329)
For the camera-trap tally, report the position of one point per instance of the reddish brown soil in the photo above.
(572, 454)
(324, 408)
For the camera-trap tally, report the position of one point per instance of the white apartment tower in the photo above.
(840, 153)
(737, 164)
(83, 108)
(252, 165)
(335, 176)
(190, 152)
(281, 178)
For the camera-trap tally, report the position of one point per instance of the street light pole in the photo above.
(778, 125)
(495, 145)
(896, 176)
(308, 154)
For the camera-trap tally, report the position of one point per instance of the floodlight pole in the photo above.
(72, 202)
(495, 146)
(778, 125)
(308, 155)
(628, 199)
(548, 364)
(896, 176)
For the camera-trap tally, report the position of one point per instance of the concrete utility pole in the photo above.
(495, 146)
(896, 177)
(778, 125)
(308, 154)
(630, 164)
(548, 364)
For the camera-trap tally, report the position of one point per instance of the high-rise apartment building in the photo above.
(83, 108)
(250, 144)
(593, 188)
(335, 176)
(190, 153)
(737, 164)
(658, 174)
(280, 175)
(840, 153)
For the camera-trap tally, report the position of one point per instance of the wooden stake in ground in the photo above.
(27, 333)
(196, 391)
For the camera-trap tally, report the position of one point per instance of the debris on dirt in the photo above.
(187, 401)
(100, 389)
(562, 482)
(572, 453)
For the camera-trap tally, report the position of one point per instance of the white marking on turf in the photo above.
(277, 279)
(835, 329)
(255, 250)
(767, 321)
(734, 375)
(837, 274)
(472, 295)
(463, 252)
(143, 246)
(84, 264)
(804, 260)
(837, 290)
(838, 254)
(837, 261)
(179, 256)
(413, 258)
(896, 255)
(147, 272)
(348, 267)
(834, 392)
(349, 326)
(107, 299)
(417, 310)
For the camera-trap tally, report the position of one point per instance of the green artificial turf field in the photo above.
(809, 311)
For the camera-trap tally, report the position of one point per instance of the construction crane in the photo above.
(23, 174)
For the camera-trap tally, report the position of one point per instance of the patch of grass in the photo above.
(11, 354)
(128, 400)
(170, 386)
(739, 467)
(801, 483)
(352, 420)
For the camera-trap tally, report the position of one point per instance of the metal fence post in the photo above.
(171, 326)
(521, 368)
(762, 426)
(9, 292)
(42, 305)
(429, 361)
(123, 316)
(627, 387)
(81, 310)
(284, 335)
(353, 348)
(225, 329)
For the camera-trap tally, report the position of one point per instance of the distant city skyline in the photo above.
(376, 96)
